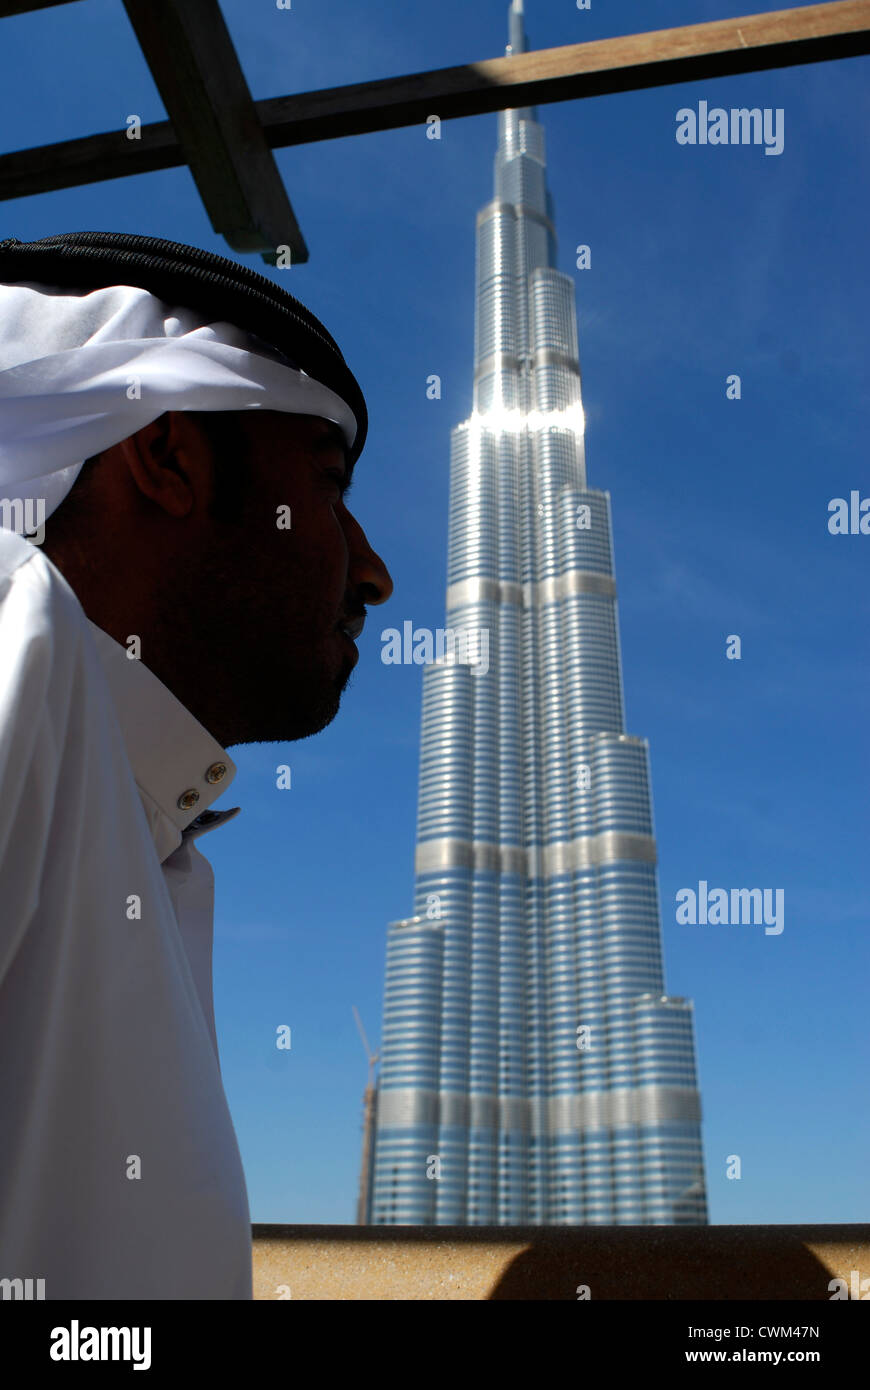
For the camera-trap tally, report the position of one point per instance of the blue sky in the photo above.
(706, 260)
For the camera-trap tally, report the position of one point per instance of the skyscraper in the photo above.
(533, 1069)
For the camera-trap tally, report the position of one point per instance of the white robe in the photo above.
(120, 1173)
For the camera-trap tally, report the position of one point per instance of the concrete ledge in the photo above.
(519, 1262)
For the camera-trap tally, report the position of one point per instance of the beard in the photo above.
(251, 665)
(305, 698)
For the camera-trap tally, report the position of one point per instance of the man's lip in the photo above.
(352, 644)
(352, 627)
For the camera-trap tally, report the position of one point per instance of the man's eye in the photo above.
(337, 478)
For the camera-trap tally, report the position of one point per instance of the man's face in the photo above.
(242, 618)
(278, 584)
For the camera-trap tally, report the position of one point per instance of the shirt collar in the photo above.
(179, 768)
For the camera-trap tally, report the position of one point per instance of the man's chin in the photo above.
(298, 719)
(318, 719)
(315, 717)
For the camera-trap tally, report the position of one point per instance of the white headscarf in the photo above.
(81, 372)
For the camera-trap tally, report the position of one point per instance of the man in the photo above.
(182, 432)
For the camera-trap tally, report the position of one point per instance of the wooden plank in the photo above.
(750, 43)
(8, 8)
(188, 48)
(808, 34)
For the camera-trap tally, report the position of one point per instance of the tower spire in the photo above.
(536, 897)
(516, 37)
(507, 119)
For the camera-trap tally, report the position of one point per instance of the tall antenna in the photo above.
(368, 1127)
(517, 39)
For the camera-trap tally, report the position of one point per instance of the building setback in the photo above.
(534, 1072)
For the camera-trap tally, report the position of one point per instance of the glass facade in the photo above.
(534, 1072)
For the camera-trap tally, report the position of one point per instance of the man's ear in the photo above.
(170, 462)
(156, 434)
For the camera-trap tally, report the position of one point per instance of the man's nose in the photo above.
(368, 573)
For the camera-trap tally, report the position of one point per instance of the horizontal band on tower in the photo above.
(541, 357)
(555, 357)
(515, 210)
(646, 1106)
(533, 595)
(565, 856)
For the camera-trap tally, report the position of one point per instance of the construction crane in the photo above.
(368, 1126)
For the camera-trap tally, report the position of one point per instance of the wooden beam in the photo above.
(751, 43)
(188, 48)
(8, 8)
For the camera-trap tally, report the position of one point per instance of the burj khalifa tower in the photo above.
(533, 1069)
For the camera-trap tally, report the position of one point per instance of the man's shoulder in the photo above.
(45, 639)
(24, 564)
(14, 552)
